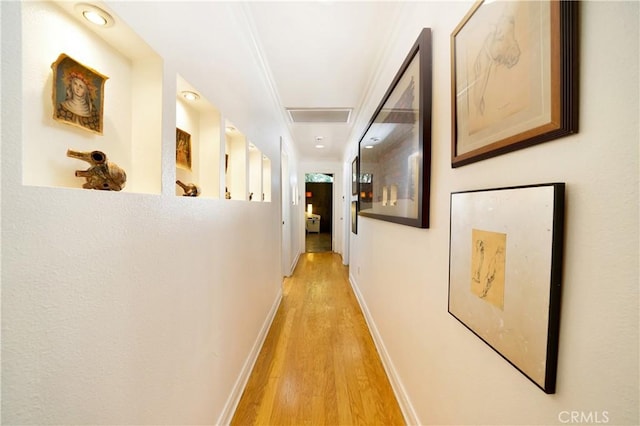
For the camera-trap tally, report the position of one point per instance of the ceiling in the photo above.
(316, 55)
(322, 55)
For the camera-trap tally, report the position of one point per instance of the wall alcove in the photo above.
(235, 163)
(198, 122)
(129, 105)
(255, 173)
(266, 179)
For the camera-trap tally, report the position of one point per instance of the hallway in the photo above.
(318, 364)
(317, 242)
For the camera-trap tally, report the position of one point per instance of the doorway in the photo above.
(318, 212)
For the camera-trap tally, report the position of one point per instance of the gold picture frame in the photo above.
(78, 94)
(183, 149)
(514, 79)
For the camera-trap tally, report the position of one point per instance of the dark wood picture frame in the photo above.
(395, 149)
(514, 77)
(505, 273)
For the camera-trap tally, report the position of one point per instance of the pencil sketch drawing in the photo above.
(500, 47)
(488, 266)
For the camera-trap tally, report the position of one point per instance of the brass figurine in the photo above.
(102, 174)
(190, 189)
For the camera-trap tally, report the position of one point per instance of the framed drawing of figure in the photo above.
(183, 149)
(78, 94)
(514, 75)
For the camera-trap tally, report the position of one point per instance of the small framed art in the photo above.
(183, 149)
(514, 79)
(354, 217)
(505, 270)
(354, 176)
(78, 94)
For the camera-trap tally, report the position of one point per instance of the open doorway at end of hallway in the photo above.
(318, 212)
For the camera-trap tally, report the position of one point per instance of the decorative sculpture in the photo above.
(102, 174)
(190, 189)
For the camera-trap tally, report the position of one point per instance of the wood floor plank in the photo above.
(318, 364)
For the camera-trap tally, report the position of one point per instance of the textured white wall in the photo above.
(124, 308)
(449, 375)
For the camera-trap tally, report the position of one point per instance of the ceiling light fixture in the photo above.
(368, 146)
(95, 15)
(190, 96)
(319, 146)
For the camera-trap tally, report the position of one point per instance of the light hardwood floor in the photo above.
(318, 365)
(317, 243)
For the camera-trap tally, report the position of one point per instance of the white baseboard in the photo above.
(294, 264)
(234, 398)
(409, 413)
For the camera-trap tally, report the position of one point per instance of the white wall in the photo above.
(445, 374)
(292, 246)
(125, 308)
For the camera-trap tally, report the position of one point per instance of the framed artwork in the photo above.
(354, 217)
(78, 94)
(396, 145)
(514, 77)
(354, 176)
(183, 149)
(505, 271)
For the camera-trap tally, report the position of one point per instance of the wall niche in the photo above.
(197, 142)
(129, 107)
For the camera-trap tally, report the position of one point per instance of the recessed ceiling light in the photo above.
(95, 15)
(190, 96)
(368, 146)
(319, 146)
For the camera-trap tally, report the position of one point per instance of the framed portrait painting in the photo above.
(78, 94)
(514, 79)
(505, 271)
(395, 150)
(183, 149)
